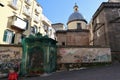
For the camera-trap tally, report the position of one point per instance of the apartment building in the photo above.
(19, 19)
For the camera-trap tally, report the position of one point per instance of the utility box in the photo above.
(39, 55)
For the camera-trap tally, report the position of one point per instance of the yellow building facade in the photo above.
(19, 19)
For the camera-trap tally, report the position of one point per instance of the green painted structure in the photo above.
(39, 54)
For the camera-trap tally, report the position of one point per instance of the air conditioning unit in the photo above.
(19, 23)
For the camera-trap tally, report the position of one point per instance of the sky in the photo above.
(58, 11)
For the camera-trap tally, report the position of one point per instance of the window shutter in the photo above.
(13, 37)
(5, 35)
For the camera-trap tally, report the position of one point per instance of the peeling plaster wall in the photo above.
(84, 55)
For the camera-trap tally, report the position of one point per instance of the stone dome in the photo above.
(75, 16)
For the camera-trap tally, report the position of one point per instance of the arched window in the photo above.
(79, 26)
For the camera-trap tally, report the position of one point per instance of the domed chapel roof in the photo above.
(76, 15)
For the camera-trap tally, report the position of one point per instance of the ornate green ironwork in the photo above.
(39, 54)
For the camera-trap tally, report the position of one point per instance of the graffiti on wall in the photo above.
(10, 57)
(83, 55)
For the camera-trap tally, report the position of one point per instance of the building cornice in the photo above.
(58, 24)
(72, 30)
(106, 5)
(77, 20)
(77, 46)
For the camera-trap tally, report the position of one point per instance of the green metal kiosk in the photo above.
(39, 55)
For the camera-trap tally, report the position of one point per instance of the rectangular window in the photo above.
(14, 2)
(28, 0)
(63, 43)
(8, 36)
(34, 29)
(79, 26)
(26, 10)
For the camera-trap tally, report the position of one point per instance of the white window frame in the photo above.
(9, 36)
(34, 30)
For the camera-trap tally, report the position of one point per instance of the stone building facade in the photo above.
(106, 30)
(80, 35)
(58, 26)
(77, 33)
(75, 45)
(73, 37)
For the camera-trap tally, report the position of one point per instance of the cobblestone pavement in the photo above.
(111, 72)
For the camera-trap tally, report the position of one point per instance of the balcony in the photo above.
(13, 5)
